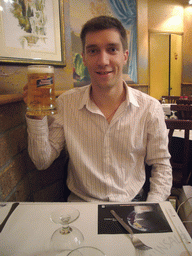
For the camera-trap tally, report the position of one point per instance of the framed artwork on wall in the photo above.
(81, 11)
(32, 32)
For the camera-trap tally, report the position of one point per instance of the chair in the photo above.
(185, 102)
(170, 99)
(180, 151)
(184, 112)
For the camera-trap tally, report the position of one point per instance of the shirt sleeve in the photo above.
(45, 140)
(158, 156)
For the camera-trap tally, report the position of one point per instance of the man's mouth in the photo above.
(103, 72)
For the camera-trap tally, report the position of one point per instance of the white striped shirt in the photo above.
(107, 161)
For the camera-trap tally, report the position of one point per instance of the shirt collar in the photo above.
(130, 98)
(86, 101)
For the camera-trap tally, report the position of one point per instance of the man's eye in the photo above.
(92, 51)
(112, 50)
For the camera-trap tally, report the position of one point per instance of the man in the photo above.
(110, 130)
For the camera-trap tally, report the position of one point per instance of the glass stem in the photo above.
(65, 230)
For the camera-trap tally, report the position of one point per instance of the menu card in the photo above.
(142, 218)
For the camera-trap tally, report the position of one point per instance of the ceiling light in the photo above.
(190, 2)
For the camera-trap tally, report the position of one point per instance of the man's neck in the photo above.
(108, 100)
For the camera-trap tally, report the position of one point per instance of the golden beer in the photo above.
(41, 90)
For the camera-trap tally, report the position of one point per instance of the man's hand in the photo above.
(25, 93)
(25, 98)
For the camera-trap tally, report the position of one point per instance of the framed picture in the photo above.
(32, 31)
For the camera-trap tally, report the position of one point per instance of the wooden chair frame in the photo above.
(170, 99)
(184, 112)
(180, 169)
(185, 102)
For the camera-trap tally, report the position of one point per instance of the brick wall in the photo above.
(19, 179)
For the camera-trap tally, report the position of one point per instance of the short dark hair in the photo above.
(102, 23)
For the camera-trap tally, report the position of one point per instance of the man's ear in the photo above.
(126, 55)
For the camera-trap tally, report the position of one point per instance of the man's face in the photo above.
(104, 57)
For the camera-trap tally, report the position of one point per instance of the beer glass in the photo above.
(41, 91)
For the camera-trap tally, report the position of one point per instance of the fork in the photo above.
(137, 243)
(13, 207)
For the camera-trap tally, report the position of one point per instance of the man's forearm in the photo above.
(39, 147)
(160, 183)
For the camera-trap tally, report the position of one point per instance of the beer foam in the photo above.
(41, 69)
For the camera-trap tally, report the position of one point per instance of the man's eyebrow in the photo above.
(113, 44)
(95, 45)
(90, 46)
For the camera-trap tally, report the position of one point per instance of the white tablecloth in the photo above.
(177, 133)
(29, 230)
(180, 134)
(166, 108)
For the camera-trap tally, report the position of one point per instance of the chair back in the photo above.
(170, 99)
(179, 151)
(185, 102)
(184, 112)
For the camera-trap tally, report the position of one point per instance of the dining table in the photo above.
(29, 229)
(167, 111)
(167, 108)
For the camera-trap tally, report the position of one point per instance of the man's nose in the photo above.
(103, 58)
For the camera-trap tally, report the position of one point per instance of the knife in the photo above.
(126, 227)
(13, 207)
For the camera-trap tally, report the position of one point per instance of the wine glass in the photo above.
(173, 116)
(66, 237)
(86, 251)
(163, 101)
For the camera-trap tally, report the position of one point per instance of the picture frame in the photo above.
(32, 32)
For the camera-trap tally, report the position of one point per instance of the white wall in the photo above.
(166, 15)
(159, 15)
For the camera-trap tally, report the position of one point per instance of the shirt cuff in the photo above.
(37, 126)
(155, 198)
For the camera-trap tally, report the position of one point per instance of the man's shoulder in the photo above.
(143, 97)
